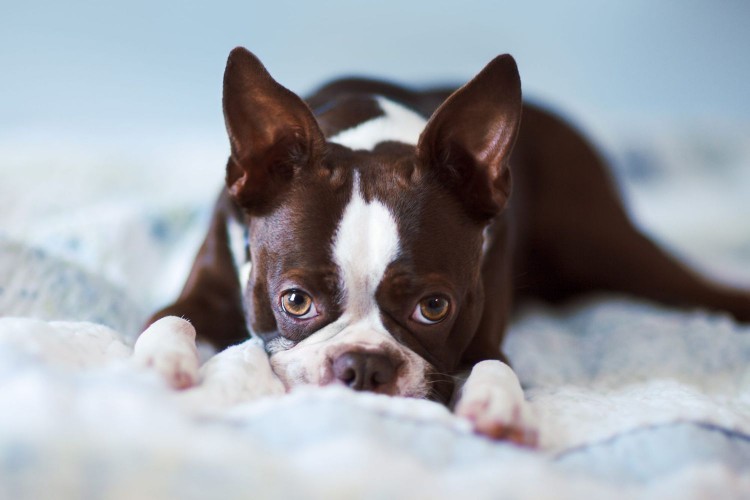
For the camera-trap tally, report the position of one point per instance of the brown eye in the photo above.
(431, 310)
(296, 303)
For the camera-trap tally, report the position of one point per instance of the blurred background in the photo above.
(125, 70)
(112, 141)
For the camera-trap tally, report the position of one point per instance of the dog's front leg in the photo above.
(236, 374)
(493, 401)
(168, 347)
(212, 296)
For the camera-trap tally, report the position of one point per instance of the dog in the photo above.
(378, 237)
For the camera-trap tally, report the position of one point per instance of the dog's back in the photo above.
(565, 230)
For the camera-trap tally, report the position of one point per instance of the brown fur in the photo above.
(555, 224)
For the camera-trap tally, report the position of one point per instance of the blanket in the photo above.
(634, 399)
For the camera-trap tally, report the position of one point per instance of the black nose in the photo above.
(364, 371)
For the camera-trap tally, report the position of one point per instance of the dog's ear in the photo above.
(468, 140)
(271, 130)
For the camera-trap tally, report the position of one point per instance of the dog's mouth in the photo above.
(382, 370)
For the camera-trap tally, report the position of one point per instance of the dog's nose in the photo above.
(364, 371)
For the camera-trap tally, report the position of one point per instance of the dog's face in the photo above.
(367, 247)
(368, 272)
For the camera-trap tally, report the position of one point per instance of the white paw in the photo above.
(168, 347)
(492, 400)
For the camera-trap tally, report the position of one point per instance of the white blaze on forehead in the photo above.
(366, 242)
(399, 123)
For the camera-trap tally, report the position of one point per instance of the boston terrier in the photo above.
(378, 237)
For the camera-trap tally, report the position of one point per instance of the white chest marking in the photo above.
(238, 246)
(398, 124)
(365, 243)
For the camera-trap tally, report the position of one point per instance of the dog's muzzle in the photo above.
(366, 371)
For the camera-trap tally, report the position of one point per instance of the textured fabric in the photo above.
(633, 399)
(81, 416)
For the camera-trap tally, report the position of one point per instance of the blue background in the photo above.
(120, 70)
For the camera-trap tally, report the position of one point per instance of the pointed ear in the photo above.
(468, 140)
(271, 130)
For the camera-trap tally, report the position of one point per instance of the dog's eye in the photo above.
(431, 310)
(297, 303)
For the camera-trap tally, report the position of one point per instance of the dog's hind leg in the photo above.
(211, 298)
(574, 235)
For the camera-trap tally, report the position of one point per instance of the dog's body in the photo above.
(386, 249)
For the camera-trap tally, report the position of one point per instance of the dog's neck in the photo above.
(387, 120)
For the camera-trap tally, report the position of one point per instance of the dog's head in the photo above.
(367, 246)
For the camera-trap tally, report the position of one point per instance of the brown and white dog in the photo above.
(386, 248)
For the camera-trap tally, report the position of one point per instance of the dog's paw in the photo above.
(492, 400)
(168, 347)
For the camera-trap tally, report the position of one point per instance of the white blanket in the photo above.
(634, 399)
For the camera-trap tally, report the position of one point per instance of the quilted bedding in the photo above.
(634, 399)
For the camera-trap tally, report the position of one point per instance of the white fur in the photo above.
(366, 242)
(486, 241)
(309, 362)
(244, 273)
(237, 234)
(492, 399)
(168, 347)
(238, 246)
(398, 124)
(237, 374)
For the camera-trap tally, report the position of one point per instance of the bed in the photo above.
(634, 399)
